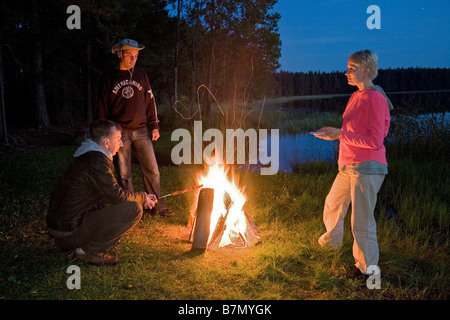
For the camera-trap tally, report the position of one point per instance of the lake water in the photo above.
(304, 147)
(301, 148)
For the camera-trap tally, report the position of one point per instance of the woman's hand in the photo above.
(328, 133)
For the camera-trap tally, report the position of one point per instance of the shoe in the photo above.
(166, 213)
(100, 259)
(148, 212)
(357, 274)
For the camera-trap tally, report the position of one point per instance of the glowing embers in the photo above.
(219, 218)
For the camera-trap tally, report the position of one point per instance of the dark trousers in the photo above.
(102, 229)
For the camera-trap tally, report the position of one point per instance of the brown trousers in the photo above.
(102, 229)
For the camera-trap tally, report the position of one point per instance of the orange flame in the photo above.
(235, 224)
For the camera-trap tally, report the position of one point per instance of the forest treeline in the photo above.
(49, 73)
(393, 80)
(414, 89)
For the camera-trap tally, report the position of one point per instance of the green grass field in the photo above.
(156, 261)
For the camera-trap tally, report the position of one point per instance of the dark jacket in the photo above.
(88, 184)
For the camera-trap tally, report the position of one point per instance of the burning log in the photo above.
(245, 239)
(252, 234)
(220, 225)
(201, 226)
(220, 219)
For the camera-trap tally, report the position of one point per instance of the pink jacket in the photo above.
(365, 125)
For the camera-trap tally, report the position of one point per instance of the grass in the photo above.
(156, 261)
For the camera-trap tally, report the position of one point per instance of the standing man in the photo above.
(126, 98)
(88, 211)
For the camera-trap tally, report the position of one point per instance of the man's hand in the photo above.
(150, 201)
(155, 134)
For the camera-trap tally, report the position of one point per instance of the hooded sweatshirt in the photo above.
(89, 145)
(126, 97)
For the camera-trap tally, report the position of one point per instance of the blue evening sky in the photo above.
(320, 35)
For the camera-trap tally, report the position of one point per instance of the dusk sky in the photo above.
(320, 35)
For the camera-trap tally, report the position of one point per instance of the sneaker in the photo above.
(166, 213)
(357, 274)
(100, 259)
(148, 212)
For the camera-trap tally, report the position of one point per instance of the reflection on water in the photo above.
(301, 148)
(304, 147)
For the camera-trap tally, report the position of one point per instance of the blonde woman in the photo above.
(362, 163)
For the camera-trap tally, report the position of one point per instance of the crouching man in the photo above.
(88, 211)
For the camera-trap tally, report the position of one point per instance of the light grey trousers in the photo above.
(361, 191)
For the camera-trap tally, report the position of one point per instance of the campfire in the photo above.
(218, 219)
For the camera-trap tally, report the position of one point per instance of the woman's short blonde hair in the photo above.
(368, 59)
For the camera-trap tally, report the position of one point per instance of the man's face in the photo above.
(114, 141)
(128, 59)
